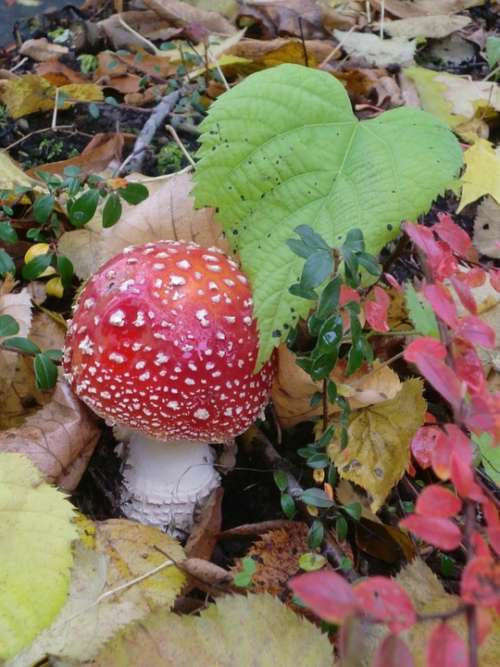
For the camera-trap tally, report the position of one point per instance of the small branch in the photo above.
(140, 37)
(177, 140)
(304, 48)
(335, 50)
(136, 158)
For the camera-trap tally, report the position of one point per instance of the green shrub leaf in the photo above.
(283, 148)
(8, 326)
(45, 371)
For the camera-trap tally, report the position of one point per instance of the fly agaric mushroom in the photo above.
(163, 342)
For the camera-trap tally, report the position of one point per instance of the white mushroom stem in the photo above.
(166, 482)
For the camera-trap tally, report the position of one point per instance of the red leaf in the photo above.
(480, 583)
(493, 524)
(446, 648)
(348, 294)
(442, 302)
(458, 239)
(435, 500)
(383, 599)
(427, 353)
(482, 413)
(376, 311)
(393, 652)
(475, 331)
(474, 277)
(495, 279)
(423, 445)
(441, 533)
(391, 280)
(438, 254)
(326, 593)
(479, 545)
(450, 440)
(465, 295)
(463, 478)
(468, 366)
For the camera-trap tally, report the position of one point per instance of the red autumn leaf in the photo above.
(435, 500)
(441, 533)
(442, 302)
(492, 524)
(451, 439)
(463, 478)
(482, 414)
(458, 239)
(348, 294)
(468, 366)
(446, 648)
(474, 277)
(465, 295)
(327, 594)
(391, 280)
(427, 354)
(385, 600)
(480, 583)
(495, 279)
(376, 311)
(393, 652)
(475, 331)
(423, 445)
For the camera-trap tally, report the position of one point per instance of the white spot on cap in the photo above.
(158, 266)
(145, 376)
(126, 284)
(230, 319)
(158, 283)
(88, 303)
(139, 320)
(201, 413)
(229, 282)
(247, 320)
(183, 264)
(177, 280)
(87, 346)
(214, 267)
(140, 365)
(161, 359)
(201, 316)
(119, 358)
(189, 381)
(117, 318)
(174, 405)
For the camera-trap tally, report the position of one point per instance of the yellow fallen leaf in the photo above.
(378, 451)
(464, 104)
(35, 251)
(31, 93)
(11, 175)
(54, 287)
(482, 173)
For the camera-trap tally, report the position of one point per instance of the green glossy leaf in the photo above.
(493, 50)
(317, 268)
(20, 344)
(43, 207)
(112, 210)
(6, 263)
(83, 209)
(353, 510)
(7, 232)
(65, 270)
(311, 562)
(283, 148)
(288, 505)
(36, 266)
(316, 534)
(281, 479)
(45, 371)
(134, 193)
(421, 313)
(8, 326)
(316, 498)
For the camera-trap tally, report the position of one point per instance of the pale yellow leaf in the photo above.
(487, 228)
(482, 173)
(376, 51)
(435, 27)
(378, 451)
(36, 534)
(11, 175)
(124, 551)
(236, 631)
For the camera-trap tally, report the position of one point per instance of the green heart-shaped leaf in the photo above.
(283, 149)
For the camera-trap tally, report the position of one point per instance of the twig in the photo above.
(368, 12)
(156, 51)
(53, 125)
(19, 64)
(136, 158)
(61, 128)
(334, 51)
(492, 73)
(382, 17)
(218, 68)
(177, 140)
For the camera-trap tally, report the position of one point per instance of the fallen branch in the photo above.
(136, 158)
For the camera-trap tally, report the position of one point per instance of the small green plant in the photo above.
(243, 579)
(169, 158)
(88, 63)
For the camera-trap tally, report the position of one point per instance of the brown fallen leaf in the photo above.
(102, 149)
(403, 9)
(293, 389)
(182, 15)
(203, 538)
(59, 438)
(42, 50)
(146, 23)
(206, 572)
(254, 529)
(58, 74)
(157, 67)
(167, 213)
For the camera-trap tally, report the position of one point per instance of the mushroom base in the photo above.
(166, 482)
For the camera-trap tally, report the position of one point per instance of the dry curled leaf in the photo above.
(42, 50)
(167, 213)
(146, 23)
(293, 389)
(182, 15)
(203, 537)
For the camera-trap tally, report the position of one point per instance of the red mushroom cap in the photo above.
(163, 341)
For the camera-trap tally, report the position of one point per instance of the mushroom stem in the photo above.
(167, 481)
